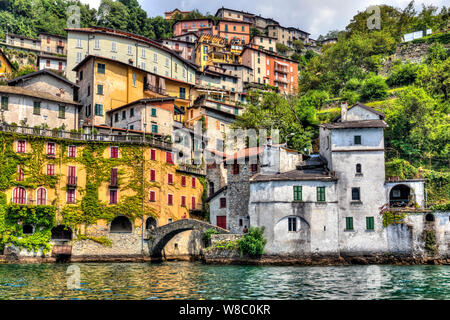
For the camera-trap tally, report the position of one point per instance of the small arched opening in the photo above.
(121, 224)
(211, 188)
(150, 223)
(429, 217)
(62, 233)
(27, 229)
(400, 196)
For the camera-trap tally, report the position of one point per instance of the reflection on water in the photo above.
(188, 280)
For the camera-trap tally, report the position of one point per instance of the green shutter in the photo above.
(62, 112)
(370, 223)
(4, 103)
(349, 223)
(154, 128)
(153, 112)
(297, 193)
(36, 108)
(321, 194)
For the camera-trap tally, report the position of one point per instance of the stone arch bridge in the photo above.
(159, 237)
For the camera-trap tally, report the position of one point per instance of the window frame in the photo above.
(298, 193)
(321, 191)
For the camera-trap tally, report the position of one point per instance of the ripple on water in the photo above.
(187, 280)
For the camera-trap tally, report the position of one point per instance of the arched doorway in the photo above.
(400, 196)
(27, 229)
(121, 224)
(429, 217)
(62, 233)
(150, 223)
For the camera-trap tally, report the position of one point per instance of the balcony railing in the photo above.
(278, 68)
(155, 89)
(282, 80)
(22, 201)
(127, 138)
(72, 181)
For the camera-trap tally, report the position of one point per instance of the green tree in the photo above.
(374, 88)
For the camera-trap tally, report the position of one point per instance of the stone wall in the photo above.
(225, 237)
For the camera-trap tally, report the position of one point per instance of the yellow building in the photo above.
(107, 84)
(5, 65)
(102, 191)
(211, 50)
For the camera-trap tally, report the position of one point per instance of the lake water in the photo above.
(194, 280)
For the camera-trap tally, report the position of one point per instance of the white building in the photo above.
(332, 203)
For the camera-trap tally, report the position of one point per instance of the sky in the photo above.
(314, 16)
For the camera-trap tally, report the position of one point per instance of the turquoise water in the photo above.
(192, 280)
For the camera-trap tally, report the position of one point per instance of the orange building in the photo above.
(5, 65)
(198, 26)
(270, 68)
(239, 31)
(168, 15)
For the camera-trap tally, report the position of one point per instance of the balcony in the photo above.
(154, 89)
(282, 80)
(189, 168)
(71, 181)
(281, 69)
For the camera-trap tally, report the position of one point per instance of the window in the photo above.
(169, 157)
(113, 196)
(134, 79)
(183, 181)
(153, 112)
(100, 89)
(60, 65)
(370, 223)
(143, 65)
(47, 63)
(50, 169)
(154, 128)
(41, 197)
(72, 151)
(170, 199)
(62, 112)
(152, 175)
(19, 195)
(21, 146)
(114, 152)
(235, 168)
(357, 140)
(194, 182)
(116, 117)
(19, 173)
(96, 44)
(113, 46)
(358, 168)
(79, 55)
(5, 103)
(71, 175)
(130, 50)
(182, 93)
(356, 194)
(321, 194)
(152, 196)
(113, 179)
(98, 109)
(349, 223)
(292, 224)
(155, 57)
(297, 193)
(183, 201)
(193, 203)
(153, 154)
(101, 68)
(170, 178)
(223, 202)
(51, 148)
(124, 114)
(254, 167)
(36, 108)
(70, 195)
(88, 90)
(79, 45)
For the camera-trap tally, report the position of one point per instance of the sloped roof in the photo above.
(359, 104)
(355, 124)
(295, 175)
(38, 73)
(35, 94)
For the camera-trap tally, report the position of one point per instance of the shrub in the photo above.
(374, 88)
(207, 235)
(253, 242)
(403, 74)
(400, 168)
(352, 84)
(350, 96)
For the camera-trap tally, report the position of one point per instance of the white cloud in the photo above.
(92, 3)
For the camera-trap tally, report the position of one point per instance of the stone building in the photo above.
(333, 203)
(229, 203)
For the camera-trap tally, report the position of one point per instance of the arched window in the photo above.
(19, 195)
(41, 196)
(61, 233)
(150, 223)
(27, 229)
(358, 168)
(429, 217)
(121, 224)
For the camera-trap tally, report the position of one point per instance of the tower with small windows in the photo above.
(353, 145)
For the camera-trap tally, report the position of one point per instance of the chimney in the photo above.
(344, 111)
